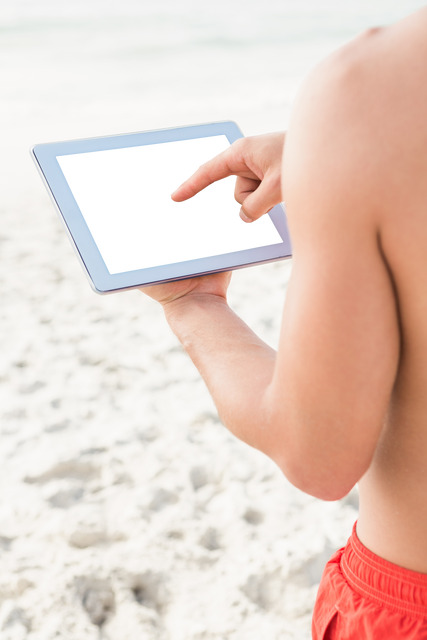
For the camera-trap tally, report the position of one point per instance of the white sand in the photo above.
(125, 505)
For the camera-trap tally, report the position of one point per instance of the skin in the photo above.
(344, 399)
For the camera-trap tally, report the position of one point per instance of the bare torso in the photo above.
(393, 493)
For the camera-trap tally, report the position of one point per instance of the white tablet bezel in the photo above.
(102, 282)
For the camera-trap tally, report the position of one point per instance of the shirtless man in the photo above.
(345, 398)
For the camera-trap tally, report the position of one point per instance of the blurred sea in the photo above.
(92, 67)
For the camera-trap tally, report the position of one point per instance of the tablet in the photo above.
(113, 196)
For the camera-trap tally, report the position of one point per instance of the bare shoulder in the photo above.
(365, 106)
(358, 132)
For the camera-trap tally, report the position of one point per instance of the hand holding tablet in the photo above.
(114, 197)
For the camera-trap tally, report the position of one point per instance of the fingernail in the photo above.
(243, 218)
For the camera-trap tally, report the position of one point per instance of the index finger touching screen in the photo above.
(211, 171)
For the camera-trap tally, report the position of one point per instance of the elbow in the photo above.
(329, 493)
(329, 490)
(324, 458)
(322, 479)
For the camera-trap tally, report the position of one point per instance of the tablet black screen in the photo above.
(124, 196)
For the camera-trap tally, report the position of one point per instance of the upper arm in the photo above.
(339, 344)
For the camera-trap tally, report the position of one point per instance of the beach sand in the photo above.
(126, 509)
(125, 504)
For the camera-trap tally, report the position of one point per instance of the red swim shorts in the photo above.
(363, 597)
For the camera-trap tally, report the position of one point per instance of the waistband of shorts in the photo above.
(385, 583)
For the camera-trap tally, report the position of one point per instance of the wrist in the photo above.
(191, 301)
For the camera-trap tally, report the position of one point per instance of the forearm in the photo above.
(235, 364)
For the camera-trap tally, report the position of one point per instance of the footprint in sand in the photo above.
(97, 598)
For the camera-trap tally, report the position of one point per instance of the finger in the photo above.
(261, 200)
(241, 188)
(248, 222)
(222, 165)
